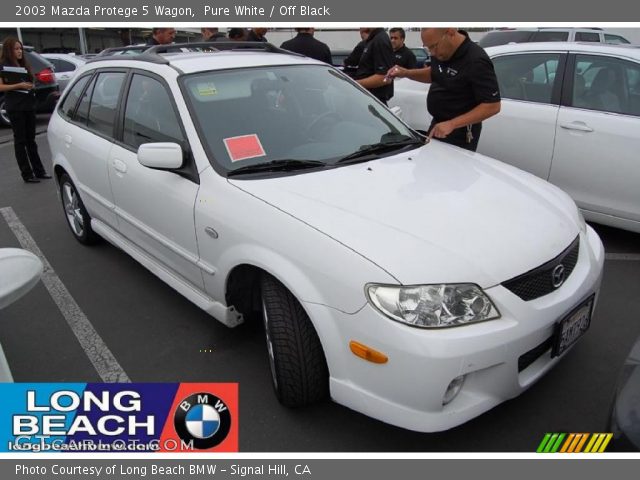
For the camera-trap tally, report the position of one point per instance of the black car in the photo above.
(46, 87)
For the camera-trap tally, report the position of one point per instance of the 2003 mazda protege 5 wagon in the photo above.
(416, 283)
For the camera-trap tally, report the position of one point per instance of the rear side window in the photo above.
(550, 37)
(104, 102)
(62, 65)
(587, 37)
(70, 101)
(530, 77)
(615, 39)
(82, 113)
(606, 84)
(149, 115)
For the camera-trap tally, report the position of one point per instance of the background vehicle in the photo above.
(625, 414)
(46, 86)
(422, 56)
(338, 57)
(20, 270)
(570, 114)
(524, 35)
(65, 66)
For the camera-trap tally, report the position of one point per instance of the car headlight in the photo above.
(433, 306)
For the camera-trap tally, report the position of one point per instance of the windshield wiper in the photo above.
(282, 165)
(382, 147)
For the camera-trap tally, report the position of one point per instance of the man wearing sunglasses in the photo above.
(464, 88)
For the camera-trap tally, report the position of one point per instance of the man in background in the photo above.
(403, 56)
(162, 36)
(464, 88)
(305, 44)
(237, 34)
(211, 34)
(377, 59)
(353, 60)
(257, 35)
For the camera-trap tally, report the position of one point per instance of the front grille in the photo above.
(532, 355)
(539, 281)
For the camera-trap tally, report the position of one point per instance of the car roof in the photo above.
(631, 51)
(65, 56)
(245, 56)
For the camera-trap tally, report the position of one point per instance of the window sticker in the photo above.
(244, 147)
(206, 89)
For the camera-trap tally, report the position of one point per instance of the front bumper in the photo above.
(408, 390)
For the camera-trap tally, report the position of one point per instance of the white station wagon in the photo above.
(412, 282)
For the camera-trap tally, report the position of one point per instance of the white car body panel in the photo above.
(406, 203)
(535, 127)
(155, 212)
(606, 160)
(85, 157)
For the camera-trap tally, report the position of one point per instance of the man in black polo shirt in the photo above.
(402, 55)
(257, 35)
(377, 59)
(464, 89)
(162, 36)
(305, 44)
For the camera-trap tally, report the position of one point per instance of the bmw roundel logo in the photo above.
(557, 276)
(202, 419)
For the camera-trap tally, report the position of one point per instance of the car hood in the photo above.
(432, 215)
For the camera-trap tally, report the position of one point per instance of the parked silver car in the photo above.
(65, 66)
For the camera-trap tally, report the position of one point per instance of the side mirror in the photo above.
(20, 270)
(163, 156)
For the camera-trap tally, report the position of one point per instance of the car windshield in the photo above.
(288, 116)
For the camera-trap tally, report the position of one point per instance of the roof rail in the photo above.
(151, 53)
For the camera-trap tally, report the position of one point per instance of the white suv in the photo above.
(416, 283)
(527, 35)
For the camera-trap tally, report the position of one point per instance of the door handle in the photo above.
(119, 165)
(580, 126)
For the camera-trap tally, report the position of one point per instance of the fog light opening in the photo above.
(453, 389)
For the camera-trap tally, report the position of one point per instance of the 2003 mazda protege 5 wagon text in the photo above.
(416, 283)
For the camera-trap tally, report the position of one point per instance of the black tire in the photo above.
(77, 217)
(299, 370)
(4, 117)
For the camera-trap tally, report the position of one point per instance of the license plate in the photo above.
(572, 327)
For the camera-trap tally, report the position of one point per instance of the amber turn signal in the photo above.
(367, 353)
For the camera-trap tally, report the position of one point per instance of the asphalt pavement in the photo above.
(156, 335)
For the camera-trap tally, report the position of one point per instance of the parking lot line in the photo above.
(99, 354)
(629, 257)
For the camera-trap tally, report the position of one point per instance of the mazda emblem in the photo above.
(557, 276)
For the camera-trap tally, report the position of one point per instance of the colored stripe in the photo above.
(584, 439)
(593, 439)
(568, 442)
(607, 439)
(596, 446)
(576, 440)
(543, 443)
(558, 442)
(552, 440)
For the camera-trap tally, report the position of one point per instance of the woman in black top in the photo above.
(16, 82)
